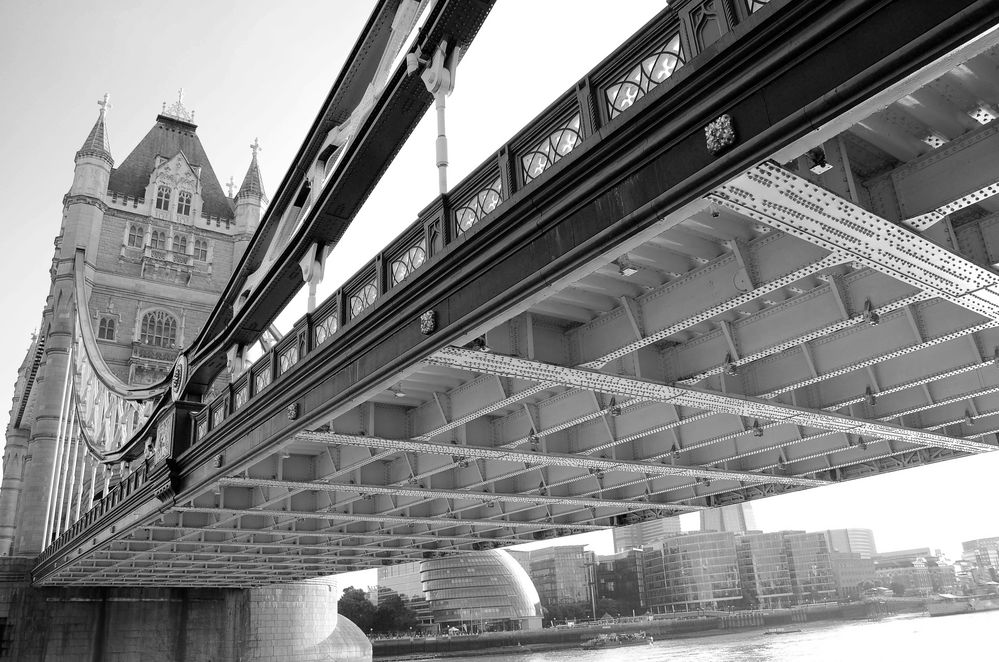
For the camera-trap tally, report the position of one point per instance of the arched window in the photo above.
(163, 198)
(159, 329)
(201, 250)
(158, 240)
(105, 331)
(135, 236)
(179, 244)
(184, 203)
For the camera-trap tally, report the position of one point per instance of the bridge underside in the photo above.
(792, 327)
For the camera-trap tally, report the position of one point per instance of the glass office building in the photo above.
(621, 577)
(692, 571)
(811, 567)
(563, 575)
(764, 570)
(480, 592)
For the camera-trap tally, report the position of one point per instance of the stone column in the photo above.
(10, 491)
(42, 443)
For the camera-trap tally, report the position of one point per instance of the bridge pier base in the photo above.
(293, 622)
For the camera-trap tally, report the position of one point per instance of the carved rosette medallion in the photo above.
(428, 322)
(179, 379)
(720, 134)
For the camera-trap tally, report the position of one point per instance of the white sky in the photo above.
(260, 68)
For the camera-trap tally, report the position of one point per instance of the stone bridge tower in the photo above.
(160, 238)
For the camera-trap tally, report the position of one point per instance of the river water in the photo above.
(907, 637)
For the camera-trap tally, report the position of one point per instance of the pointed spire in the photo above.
(97, 143)
(253, 184)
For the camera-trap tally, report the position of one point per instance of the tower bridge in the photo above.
(752, 251)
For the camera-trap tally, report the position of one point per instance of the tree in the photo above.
(354, 604)
(393, 615)
(898, 588)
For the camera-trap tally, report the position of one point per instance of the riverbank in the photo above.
(661, 627)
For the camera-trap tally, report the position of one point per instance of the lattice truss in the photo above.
(802, 326)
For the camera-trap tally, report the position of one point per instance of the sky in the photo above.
(258, 68)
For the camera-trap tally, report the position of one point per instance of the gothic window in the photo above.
(184, 203)
(106, 328)
(135, 236)
(163, 198)
(180, 244)
(159, 328)
(201, 250)
(158, 240)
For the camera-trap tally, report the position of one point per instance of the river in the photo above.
(907, 637)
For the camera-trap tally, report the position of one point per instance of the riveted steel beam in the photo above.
(551, 459)
(737, 405)
(435, 493)
(439, 521)
(772, 195)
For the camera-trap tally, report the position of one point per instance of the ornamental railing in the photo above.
(639, 69)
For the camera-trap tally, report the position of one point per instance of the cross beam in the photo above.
(736, 405)
(552, 459)
(400, 520)
(772, 195)
(458, 495)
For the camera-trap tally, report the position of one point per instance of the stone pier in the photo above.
(290, 623)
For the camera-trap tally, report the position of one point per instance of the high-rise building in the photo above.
(735, 518)
(156, 239)
(563, 575)
(764, 570)
(985, 552)
(621, 577)
(635, 536)
(692, 571)
(811, 566)
(857, 541)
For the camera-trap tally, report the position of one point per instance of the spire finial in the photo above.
(256, 147)
(105, 103)
(231, 184)
(177, 109)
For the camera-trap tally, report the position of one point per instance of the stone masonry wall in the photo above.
(290, 623)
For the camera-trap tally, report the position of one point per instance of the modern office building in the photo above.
(404, 580)
(985, 552)
(811, 566)
(692, 571)
(856, 541)
(635, 536)
(563, 575)
(764, 570)
(914, 580)
(480, 592)
(621, 577)
(736, 518)
(852, 573)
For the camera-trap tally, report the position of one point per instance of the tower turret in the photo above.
(250, 200)
(94, 160)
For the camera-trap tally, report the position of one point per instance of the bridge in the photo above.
(752, 251)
